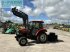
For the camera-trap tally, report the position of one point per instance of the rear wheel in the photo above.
(42, 38)
(22, 41)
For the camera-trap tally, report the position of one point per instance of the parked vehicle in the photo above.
(33, 30)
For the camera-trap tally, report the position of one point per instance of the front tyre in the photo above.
(22, 41)
(42, 38)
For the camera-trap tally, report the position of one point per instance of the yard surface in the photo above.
(9, 44)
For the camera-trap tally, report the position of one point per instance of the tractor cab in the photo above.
(36, 24)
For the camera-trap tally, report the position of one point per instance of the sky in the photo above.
(47, 10)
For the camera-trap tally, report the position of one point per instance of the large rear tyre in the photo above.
(22, 41)
(42, 38)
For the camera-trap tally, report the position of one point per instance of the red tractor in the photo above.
(33, 30)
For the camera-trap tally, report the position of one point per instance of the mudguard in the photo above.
(40, 31)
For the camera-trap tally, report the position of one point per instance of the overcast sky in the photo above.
(46, 10)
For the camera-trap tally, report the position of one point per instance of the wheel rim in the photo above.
(43, 38)
(23, 41)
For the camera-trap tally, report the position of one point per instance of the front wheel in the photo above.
(42, 38)
(22, 41)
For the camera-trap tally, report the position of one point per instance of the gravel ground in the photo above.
(9, 44)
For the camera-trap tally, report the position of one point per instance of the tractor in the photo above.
(33, 30)
(8, 28)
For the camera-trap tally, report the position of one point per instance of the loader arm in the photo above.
(22, 15)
